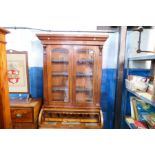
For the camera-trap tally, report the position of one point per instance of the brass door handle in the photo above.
(19, 115)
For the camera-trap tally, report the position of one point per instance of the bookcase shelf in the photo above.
(59, 61)
(79, 89)
(60, 89)
(82, 61)
(79, 74)
(60, 74)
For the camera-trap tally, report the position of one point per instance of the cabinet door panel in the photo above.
(59, 70)
(86, 75)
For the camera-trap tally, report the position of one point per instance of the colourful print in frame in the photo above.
(18, 78)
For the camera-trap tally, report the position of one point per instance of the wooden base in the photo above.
(25, 125)
(70, 118)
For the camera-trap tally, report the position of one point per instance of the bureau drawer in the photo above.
(22, 114)
(25, 125)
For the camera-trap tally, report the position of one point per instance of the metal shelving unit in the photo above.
(142, 58)
(141, 95)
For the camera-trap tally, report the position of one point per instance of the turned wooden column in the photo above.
(5, 117)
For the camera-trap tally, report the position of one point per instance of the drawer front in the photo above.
(25, 125)
(22, 114)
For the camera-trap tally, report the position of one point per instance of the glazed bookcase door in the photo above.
(59, 71)
(86, 77)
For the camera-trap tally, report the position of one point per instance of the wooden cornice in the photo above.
(70, 38)
(4, 31)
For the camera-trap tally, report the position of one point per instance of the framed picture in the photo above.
(18, 77)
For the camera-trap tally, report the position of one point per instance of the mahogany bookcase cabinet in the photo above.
(72, 81)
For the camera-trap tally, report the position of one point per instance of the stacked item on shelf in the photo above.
(139, 83)
(141, 87)
(142, 114)
(134, 124)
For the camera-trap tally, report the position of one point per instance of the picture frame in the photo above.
(18, 75)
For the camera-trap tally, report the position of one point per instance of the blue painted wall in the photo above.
(108, 87)
(36, 81)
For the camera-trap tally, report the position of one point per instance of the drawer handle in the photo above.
(19, 115)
